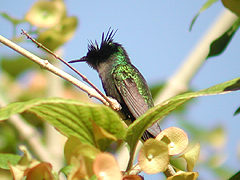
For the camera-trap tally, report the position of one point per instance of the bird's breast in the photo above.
(108, 83)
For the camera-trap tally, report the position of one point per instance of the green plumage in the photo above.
(123, 72)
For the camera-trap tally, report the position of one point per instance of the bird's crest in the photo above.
(106, 40)
(100, 53)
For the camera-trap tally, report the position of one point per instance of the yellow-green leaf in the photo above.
(41, 171)
(24, 165)
(101, 133)
(181, 175)
(191, 156)
(6, 159)
(102, 137)
(46, 14)
(205, 6)
(14, 66)
(70, 117)
(74, 147)
(11, 19)
(157, 113)
(60, 34)
(233, 5)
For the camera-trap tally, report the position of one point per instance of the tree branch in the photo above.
(48, 66)
(84, 78)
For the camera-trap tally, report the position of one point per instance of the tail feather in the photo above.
(146, 135)
(151, 132)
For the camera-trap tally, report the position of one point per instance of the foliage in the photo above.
(95, 132)
(73, 118)
(219, 45)
(237, 111)
(206, 5)
(48, 21)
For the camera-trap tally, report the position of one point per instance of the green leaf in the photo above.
(46, 14)
(220, 44)
(157, 113)
(191, 156)
(74, 147)
(72, 118)
(181, 175)
(8, 138)
(66, 170)
(14, 66)
(157, 88)
(233, 5)
(102, 137)
(76, 153)
(60, 34)
(203, 8)
(235, 176)
(11, 19)
(6, 159)
(237, 111)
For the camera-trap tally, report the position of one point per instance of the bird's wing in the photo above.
(129, 90)
(127, 87)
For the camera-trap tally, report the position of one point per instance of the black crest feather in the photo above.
(106, 40)
(100, 53)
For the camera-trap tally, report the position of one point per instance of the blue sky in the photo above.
(155, 35)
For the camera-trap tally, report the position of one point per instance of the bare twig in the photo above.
(46, 65)
(179, 81)
(84, 78)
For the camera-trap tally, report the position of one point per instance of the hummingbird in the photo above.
(121, 80)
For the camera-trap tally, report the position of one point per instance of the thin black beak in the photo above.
(83, 59)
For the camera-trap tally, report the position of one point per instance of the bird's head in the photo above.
(98, 54)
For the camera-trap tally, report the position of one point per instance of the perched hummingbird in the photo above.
(120, 79)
